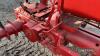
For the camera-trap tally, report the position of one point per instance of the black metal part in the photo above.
(1, 25)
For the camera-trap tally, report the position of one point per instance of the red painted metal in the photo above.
(84, 40)
(57, 46)
(30, 33)
(52, 31)
(84, 8)
(11, 28)
(44, 1)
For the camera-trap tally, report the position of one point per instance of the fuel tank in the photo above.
(85, 8)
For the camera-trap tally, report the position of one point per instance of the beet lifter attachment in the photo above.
(48, 24)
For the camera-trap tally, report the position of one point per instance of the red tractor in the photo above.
(48, 24)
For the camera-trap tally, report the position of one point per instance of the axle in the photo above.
(11, 28)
